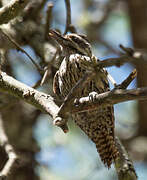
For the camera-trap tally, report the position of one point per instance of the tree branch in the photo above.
(11, 10)
(68, 15)
(40, 100)
(68, 101)
(46, 103)
(69, 27)
(67, 107)
(135, 57)
(110, 97)
(12, 157)
(48, 18)
(59, 115)
(123, 164)
(128, 80)
(23, 51)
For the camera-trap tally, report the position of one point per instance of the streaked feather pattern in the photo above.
(97, 124)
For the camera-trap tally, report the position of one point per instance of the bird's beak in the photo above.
(58, 37)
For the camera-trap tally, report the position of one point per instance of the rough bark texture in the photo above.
(18, 120)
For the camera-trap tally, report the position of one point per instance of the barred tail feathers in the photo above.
(99, 127)
(106, 148)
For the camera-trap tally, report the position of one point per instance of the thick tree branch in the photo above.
(67, 107)
(11, 10)
(115, 96)
(123, 164)
(46, 104)
(111, 97)
(83, 104)
(40, 100)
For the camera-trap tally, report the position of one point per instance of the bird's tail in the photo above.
(106, 148)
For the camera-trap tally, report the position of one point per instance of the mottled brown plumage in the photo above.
(97, 124)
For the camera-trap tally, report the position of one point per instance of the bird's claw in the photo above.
(92, 96)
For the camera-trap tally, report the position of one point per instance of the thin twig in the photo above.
(68, 15)
(48, 68)
(128, 80)
(125, 83)
(44, 77)
(37, 84)
(127, 50)
(22, 50)
(139, 55)
(69, 27)
(12, 156)
(48, 18)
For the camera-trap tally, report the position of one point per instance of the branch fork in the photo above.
(73, 105)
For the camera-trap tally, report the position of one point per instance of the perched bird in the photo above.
(97, 124)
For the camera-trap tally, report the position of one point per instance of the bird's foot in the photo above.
(92, 96)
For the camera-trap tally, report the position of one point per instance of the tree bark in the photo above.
(138, 18)
(19, 120)
(18, 126)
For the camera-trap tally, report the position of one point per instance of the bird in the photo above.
(97, 124)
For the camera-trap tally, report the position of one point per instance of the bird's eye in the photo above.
(74, 38)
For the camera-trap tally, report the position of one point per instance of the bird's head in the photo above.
(72, 43)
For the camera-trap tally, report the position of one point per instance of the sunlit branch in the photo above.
(11, 10)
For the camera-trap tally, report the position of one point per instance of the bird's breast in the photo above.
(72, 69)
